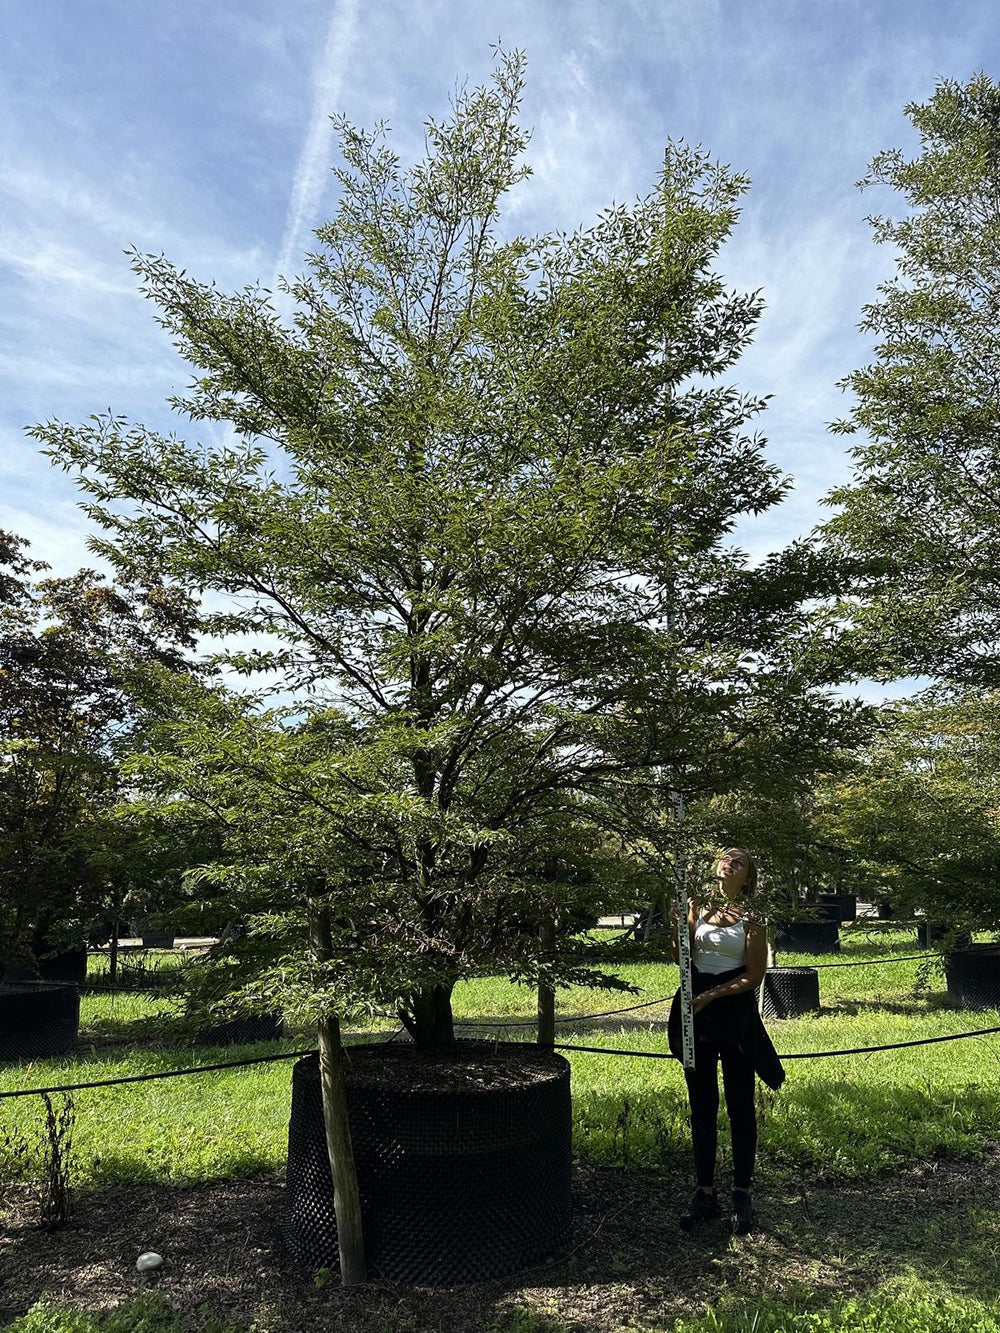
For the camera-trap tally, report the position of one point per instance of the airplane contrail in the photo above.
(314, 160)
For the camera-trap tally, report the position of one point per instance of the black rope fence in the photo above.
(559, 1046)
(568, 1018)
(877, 962)
(784, 1055)
(148, 1078)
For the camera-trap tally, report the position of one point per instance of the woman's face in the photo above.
(733, 869)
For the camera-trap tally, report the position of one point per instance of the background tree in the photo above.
(921, 512)
(920, 815)
(73, 654)
(479, 495)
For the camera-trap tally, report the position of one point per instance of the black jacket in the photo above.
(735, 1018)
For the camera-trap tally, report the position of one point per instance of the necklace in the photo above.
(723, 914)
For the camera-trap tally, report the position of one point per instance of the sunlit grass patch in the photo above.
(906, 1305)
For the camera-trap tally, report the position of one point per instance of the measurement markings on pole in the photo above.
(683, 941)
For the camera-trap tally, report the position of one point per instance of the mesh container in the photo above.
(457, 1184)
(37, 1019)
(790, 991)
(973, 976)
(808, 937)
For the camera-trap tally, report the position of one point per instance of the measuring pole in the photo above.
(683, 939)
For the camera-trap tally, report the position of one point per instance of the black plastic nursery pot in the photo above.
(464, 1162)
(973, 976)
(808, 937)
(928, 935)
(69, 966)
(247, 1028)
(838, 906)
(157, 939)
(37, 1019)
(790, 991)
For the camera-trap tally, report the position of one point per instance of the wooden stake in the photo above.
(346, 1200)
(546, 994)
(769, 965)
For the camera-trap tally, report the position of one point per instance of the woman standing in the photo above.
(729, 960)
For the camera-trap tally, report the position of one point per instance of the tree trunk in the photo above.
(346, 1201)
(546, 993)
(429, 1020)
(656, 905)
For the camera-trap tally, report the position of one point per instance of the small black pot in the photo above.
(70, 966)
(808, 937)
(157, 939)
(38, 1019)
(790, 991)
(928, 935)
(251, 1027)
(457, 1184)
(973, 976)
(838, 906)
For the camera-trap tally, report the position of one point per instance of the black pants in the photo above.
(738, 1081)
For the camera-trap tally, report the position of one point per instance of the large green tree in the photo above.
(478, 498)
(921, 514)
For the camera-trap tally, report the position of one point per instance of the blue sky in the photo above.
(199, 128)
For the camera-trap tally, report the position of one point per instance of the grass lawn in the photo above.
(844, 1134)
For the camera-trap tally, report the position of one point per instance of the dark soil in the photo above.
(628, 1264)
(478, 1066)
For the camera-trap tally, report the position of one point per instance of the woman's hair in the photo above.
(751, 880)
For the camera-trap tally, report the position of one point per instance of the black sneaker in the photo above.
(742, 1218)
(702, 1208)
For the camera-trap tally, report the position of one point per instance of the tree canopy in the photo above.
(478, 499)
(920, 515)
(919, 817)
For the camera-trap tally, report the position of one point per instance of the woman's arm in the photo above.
(756, 967)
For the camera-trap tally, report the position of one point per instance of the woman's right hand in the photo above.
(672, 917)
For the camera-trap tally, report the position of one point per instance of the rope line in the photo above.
(558, 1046)
(569, 1018)
(873, 962)
(800, 1055)
(148, 1078)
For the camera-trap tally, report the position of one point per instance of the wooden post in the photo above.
(113, 952)
(346, 1201)
(769, 965)
(546, 994)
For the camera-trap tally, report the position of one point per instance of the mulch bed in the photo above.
(628, 1263)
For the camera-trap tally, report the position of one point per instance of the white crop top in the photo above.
(718, 948)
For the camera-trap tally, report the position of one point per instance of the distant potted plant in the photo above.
(973, 975)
